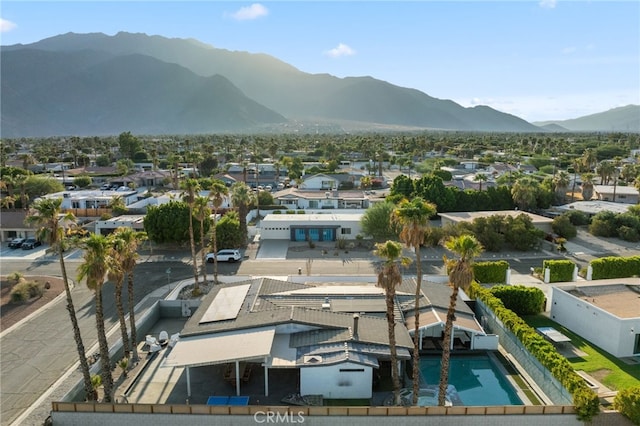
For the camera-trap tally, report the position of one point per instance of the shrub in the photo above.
(520, 299)
(19, 293)
(560, 270)
(577, 218)
(562, 226)
(491, 272)
(627, 402)
(615, 267)
(16, 277)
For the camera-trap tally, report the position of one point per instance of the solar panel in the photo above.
(226, 305)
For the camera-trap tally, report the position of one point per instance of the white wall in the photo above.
(605, 330)
(332, 383)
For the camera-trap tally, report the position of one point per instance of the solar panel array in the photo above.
(226, 305)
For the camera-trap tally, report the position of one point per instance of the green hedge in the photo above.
(560, 270)
(615, 267)
(491, 272)
(627, 402)
(520, 299)
(584, 399)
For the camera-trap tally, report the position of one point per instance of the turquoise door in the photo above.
(327, 234)
(300, 235)
(314, 234)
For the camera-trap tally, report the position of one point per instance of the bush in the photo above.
(560, 270)
(19, 293)
(577, 218)
(562, 226)
(615, 267)
(491, 272)
(627, 402)
(520, 299)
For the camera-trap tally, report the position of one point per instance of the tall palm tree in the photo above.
(460, 273)
(587, 186)
(524, 192)
(389, 278)
(96, 265)
(413, 216)
(480, 177)
(217, 194)
(191, 188)
(128, 257)
(116, 274)
(561, 183)
(202, 212)
(241, 198)
(46, 215)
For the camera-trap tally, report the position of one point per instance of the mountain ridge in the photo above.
(268, 92)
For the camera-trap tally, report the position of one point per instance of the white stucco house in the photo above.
(328, 226)
(540, 222)
(604, 312)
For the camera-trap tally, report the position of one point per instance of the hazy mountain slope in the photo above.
(623, 119)
(123, 93)
(292, 93)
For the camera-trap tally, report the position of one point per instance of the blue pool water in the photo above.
(477, 380)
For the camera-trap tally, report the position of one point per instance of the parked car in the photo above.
(31, 243)
(16, 242)
(226, 255)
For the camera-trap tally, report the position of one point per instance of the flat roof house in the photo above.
(605, 312)
(540, 222)
(311, 226)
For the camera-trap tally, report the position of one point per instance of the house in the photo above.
(91, 203)
(295, 198)
(105, 227)
(311, 227)
(335, 335)
(616, 193)
(604, 312)
(499, 169)
(593, 207)
(12, 225)
(540, 222)
(320, 182)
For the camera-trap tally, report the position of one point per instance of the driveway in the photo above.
(273, 249)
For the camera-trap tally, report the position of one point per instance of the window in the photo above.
(345, 231)
(352, 370)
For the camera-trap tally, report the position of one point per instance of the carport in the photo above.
(223, 348)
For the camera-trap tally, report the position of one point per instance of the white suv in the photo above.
(226, 255)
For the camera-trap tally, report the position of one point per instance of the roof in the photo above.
(619, 189)
(11, 219)
(238, 345)
(469, 216)
(594, 207)
(620, 297)
(315, 218)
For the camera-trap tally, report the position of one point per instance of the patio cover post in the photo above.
(453, 335)
(266, 377)
(420, 334)
(188, 384)
(237, 378)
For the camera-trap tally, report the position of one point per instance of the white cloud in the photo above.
(341, 50)
(6, 26)
(548, 4)
(569, 50)
(248, 13)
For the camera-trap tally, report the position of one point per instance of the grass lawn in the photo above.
(604, 367)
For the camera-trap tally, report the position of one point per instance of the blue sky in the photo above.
(539, 60)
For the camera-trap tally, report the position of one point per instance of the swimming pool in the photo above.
(478, 381)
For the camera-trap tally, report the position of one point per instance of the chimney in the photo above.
(356, 319)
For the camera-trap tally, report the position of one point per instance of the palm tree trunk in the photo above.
(84, 365)
(242, 212)
(391, 323)
(214, 235)
(203, 254)
(121, 320)
(132, 318)
(446, 347)
(196, 286)
(105, 361)
(416, 329)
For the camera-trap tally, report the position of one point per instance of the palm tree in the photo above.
(96, 265)
(128, 257)
(413, 217)
(587, 186)
(524, 193)
(241, 198)
(217, 194)
(389, 278)
(460, 276)
(46, 215)
(191, 188)
(202, 212)
(116, 274)
(480, 177)
(561, 183)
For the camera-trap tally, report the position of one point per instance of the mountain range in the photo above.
(95, 84)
